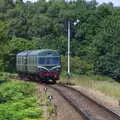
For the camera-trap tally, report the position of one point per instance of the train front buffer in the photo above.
(49, 74)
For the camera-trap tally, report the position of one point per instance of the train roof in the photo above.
(37, 52)
(24, 53)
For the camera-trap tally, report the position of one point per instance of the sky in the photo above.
(115, 2)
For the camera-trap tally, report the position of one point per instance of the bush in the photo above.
(17, 101)
(78, 66)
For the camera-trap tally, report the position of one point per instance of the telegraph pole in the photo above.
(69, 74)
(69, 36)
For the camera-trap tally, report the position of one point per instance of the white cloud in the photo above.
(115, 2)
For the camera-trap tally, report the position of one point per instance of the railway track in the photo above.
(85, 106)
(88, 108)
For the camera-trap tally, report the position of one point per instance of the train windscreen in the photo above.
(49, 60)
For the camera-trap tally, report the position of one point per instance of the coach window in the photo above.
(28, 60)
(33, 60)
(20, 59)
(17, 60)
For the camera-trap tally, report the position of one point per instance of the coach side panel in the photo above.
(32, 64)
(21, 63)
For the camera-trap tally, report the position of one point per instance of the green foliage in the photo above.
(108, 47)
(9, 51)
(3, 30)
(78, 66)
(17, 91)
(95, 40)
(17, 101)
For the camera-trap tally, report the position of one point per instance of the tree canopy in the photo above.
(95, 41)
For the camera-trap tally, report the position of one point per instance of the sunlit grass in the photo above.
(110, 89)
(104, 84)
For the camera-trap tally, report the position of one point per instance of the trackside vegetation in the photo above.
(104, 84)
(18, 101)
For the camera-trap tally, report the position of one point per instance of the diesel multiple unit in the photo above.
(42, 65)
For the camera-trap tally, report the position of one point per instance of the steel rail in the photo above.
(83, 113)
(92, 100)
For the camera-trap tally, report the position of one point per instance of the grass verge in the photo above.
(104, 84)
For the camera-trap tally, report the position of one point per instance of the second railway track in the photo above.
(87, 108)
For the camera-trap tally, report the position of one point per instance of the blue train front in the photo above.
(42, 65)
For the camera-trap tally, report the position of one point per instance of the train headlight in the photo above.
(57, 69)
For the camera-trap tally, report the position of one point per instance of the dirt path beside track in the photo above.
(63, 109)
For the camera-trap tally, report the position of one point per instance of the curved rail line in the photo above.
(96, 102)
(85, 117)
(86, 114)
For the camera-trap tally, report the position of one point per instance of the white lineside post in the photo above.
(69, 49)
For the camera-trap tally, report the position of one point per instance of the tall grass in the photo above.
(104, 84)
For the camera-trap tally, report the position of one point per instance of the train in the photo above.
(42, 65)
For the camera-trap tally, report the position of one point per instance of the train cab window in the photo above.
(56, 60)
(53, 60)
(41, 60)
(49, 60)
